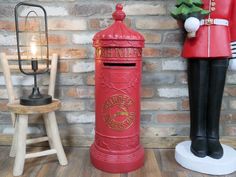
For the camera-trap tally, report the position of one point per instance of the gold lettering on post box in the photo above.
(119, 52)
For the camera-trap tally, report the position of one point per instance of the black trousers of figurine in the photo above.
(206, 80)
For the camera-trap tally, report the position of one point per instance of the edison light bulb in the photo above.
(33, 47)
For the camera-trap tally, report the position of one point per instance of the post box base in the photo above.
(117, 163)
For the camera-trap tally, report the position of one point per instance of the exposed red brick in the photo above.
(185, 104)
(67, 24)
(159, 105)
(101, 23)
(88, 9)
(91, 79)
(173, 38)
(154, 38)
(3, 105)
(147, 92)
(70, 53)
(54, 39)
(7, 25)
(159, 23)
(63, 66)
(150, 66)
(171, 52)
(151, 52)
(80, 92)
(172, 118)
(230, 91)
(71, 92)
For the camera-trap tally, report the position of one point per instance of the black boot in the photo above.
(198, 73)
(218, 70)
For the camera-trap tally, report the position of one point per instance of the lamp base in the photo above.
(28, 101)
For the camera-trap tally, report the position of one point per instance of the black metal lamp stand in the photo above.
(36, 98)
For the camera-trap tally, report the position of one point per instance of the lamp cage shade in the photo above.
(32, 37)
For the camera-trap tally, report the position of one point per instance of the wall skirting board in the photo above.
(148, 142)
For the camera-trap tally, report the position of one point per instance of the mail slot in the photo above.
(120, 64)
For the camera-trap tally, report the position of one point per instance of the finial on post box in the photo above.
(119, 14)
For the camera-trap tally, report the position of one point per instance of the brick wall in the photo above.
(72, 24)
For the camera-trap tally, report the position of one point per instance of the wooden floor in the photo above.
(158, 163)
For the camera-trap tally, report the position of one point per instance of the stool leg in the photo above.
(56, 140)
(48, 130)
(14, 140)
(21, 145)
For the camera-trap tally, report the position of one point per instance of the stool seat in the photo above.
(17, 108)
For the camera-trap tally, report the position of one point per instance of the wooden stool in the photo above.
(20, 115)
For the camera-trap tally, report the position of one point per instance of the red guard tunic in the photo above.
(213, 41)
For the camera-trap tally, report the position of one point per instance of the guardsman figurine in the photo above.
(208, 56)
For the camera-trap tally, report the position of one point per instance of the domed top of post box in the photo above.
(118, 34)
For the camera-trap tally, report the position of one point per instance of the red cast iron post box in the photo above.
(118, 53)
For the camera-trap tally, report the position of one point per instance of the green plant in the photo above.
(189, 8)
